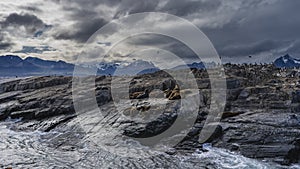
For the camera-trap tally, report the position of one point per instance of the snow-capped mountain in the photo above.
(107, 68)
(11, 65)
(121, 68)
(287, 61)
(136, 67)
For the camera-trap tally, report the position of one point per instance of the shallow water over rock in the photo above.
(47, 150)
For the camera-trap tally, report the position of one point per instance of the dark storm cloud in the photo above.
(4, 46)
(31, 22)
(235, 27)
(87, 3)
(123, 6)
(253, 27)
(252, 49)
(82, 31)
(134, 6)
(4, 42)
(35, 49)
(183, 8)
(258, 29)
(149, 40)
(162, 42)
(89, 20)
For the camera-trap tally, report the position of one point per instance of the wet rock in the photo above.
(233, 83)
(296, 96)
(57, 122)
(233, 94)
(244, 94)
(230, 114)
(261, 118)
(216, 134)
(293, 155)
(203, 83)
(154, 126)
(103, 96)
(295, 108)
(168, 84)
(5, 109)
(143, 108)
(26, 114)
(8, 96)
(34, 83)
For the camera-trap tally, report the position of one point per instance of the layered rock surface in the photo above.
(261, 117)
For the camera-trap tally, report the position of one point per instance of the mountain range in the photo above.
(287, 61)
(11, 65)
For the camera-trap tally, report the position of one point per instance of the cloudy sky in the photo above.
(57, 29)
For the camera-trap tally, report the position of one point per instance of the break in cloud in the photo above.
(57, 29)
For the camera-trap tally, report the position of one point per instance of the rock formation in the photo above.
(261, 118)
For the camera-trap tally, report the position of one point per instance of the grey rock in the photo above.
(261, 118)
(296, 96)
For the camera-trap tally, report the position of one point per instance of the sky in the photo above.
(58, 29)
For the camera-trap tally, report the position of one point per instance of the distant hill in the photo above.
(199, 65)
(11, 65)
(287, 61)
(46, 64)
(196, 65)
